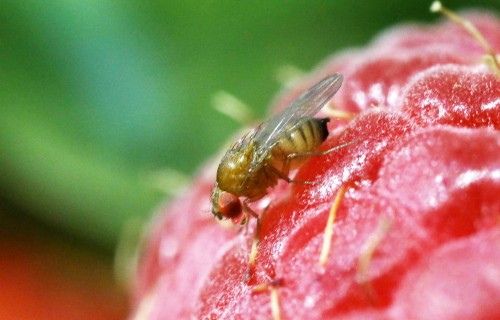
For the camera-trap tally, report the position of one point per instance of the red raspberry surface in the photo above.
(427, 160)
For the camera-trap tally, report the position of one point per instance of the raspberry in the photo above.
(426, 168)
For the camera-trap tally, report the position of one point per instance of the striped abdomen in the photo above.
(306, 138)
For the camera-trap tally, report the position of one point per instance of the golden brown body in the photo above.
(238, 175)
(258, 160)
(268, 153)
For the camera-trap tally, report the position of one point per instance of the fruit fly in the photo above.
(266, 154)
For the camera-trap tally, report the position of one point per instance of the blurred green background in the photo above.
(97, 96)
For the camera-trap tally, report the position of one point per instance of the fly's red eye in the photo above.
(229, 205)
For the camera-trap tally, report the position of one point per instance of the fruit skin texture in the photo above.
(427, 161)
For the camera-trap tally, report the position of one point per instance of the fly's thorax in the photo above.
(234, 167)
(305, 138)
(241, 174)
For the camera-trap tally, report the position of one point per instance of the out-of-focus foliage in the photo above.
(95, 95)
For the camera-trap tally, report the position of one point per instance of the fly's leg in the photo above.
(283, 173)
(317, 153)
(255, 240)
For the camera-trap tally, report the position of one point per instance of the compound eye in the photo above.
(229, 205)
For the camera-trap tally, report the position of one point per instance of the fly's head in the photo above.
(225, 205)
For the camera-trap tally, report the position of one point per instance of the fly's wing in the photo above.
(302, 109)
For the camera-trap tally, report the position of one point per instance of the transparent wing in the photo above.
(300, 110)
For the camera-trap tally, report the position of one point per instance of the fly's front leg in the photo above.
(292, 156)
(248, 212)
(282, 175)
(289, 158)
(255, 240)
